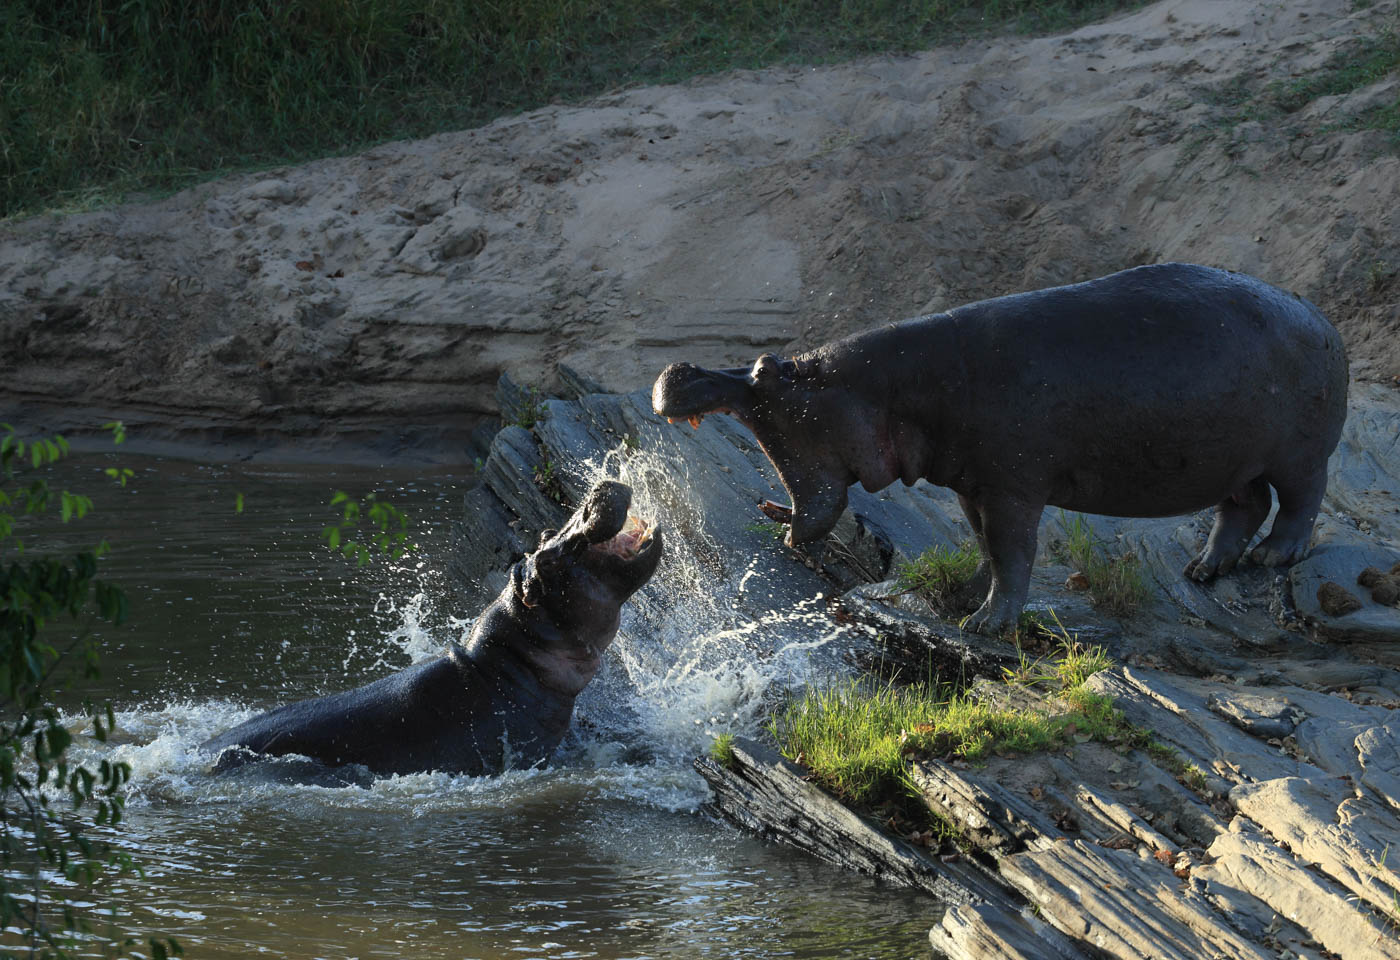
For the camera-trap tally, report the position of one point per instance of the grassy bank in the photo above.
(100, 97)
(1277, 103)
(857, 737)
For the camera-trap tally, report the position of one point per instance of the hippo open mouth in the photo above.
(770, 399)
(685, 391)
(616, 540)
(629, 542)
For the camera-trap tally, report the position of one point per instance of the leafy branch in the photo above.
(48, 803)
(387, 528)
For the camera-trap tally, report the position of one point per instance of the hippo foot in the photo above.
(1283, 552)
(1211, 563)
(992, 620)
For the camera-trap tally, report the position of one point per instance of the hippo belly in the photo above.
(1158, 391)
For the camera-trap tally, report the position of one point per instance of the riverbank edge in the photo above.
(1075, 865)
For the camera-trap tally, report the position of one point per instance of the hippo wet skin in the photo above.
(1157, 391)
(506, 698)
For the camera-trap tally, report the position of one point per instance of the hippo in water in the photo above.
(1157, 391)
(503, 700)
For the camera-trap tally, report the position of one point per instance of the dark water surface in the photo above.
(602, 855)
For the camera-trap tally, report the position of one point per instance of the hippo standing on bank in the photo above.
(506, 698)
(1156, 391)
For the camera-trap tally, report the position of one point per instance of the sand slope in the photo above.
(372, 300)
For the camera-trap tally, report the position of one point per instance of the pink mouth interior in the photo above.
(629, 541)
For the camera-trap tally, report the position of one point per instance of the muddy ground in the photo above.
(364, 306)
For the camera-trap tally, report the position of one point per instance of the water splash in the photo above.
(701, 650)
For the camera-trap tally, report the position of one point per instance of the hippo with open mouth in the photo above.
(506, 698)
(1156, 391)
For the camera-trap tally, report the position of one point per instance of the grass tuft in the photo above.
(1117, 584)
(533, 408)
(722, 750)
(938, 573)
(547, 479)
(772, 529)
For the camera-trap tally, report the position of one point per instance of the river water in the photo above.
(604, 854)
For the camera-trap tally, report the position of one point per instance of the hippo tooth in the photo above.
(776, 511)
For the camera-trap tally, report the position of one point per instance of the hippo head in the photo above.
(799, 422)
(571, 589)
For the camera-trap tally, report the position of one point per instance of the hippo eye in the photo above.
(548, 535)
(766, 367)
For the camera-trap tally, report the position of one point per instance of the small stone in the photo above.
(1077, 581)
(1387, 591)
(1336, 600)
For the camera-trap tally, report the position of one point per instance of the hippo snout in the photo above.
(689, 391)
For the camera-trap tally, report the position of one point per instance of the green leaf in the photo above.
(238, 503)
(118, 430)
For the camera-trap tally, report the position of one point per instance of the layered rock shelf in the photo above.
(1280, 840)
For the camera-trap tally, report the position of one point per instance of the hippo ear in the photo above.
(531, 591)
(540, 572)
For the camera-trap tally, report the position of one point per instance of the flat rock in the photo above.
(1327, 823)
(1378, 753)
(1262, 716)
(1181, 718)
(979, 932)
(1126, 907)
(1246, 867)
(773, 797)
(1340, 564)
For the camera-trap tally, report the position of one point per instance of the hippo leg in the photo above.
(971, 594)
(1298, 503)
(1237, 517)
(1008, 534)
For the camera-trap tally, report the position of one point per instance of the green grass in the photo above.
(769, 528)
(938, 573)
(1370, 60)
(532, 410)
(1358, 65)
(547, 479)
(1078, 663)
(100, 97)
(856, 737)
(1117, 584)
(722, 750)
(1074, 664)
